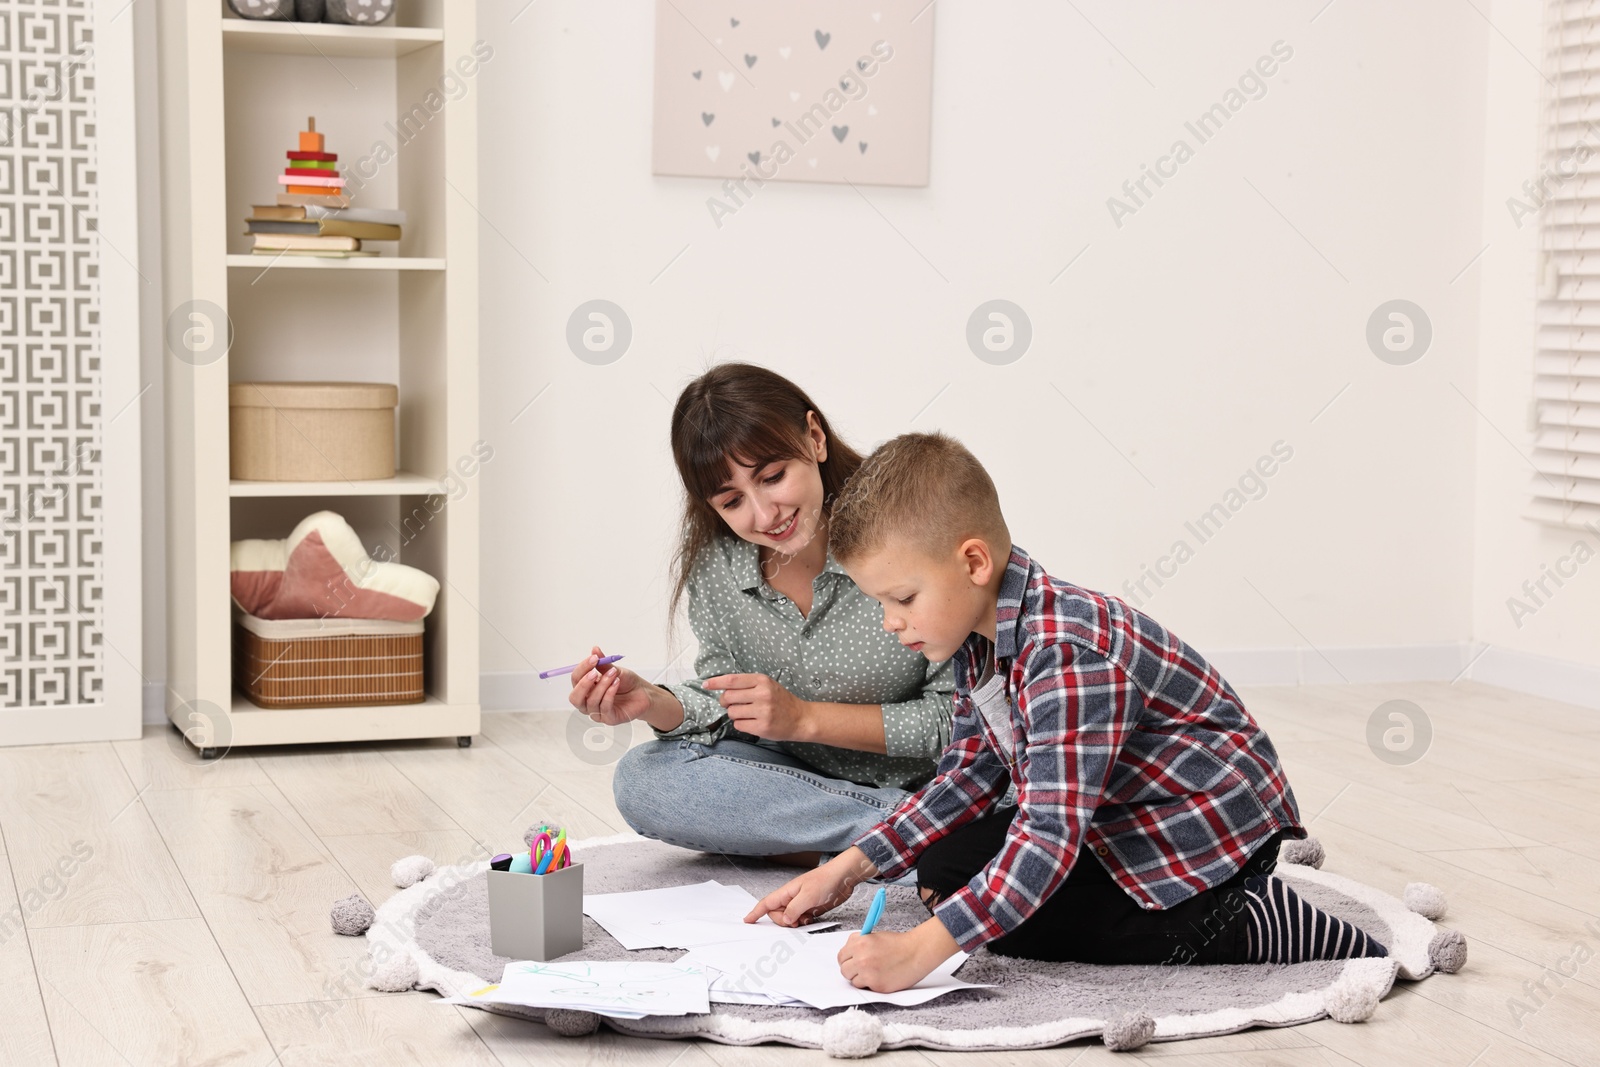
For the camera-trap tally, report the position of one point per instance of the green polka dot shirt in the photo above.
(837, 654)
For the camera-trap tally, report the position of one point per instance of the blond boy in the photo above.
(1149, 804)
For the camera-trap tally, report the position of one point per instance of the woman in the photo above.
(807, 722)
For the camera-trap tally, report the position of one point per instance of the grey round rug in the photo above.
(442, 924)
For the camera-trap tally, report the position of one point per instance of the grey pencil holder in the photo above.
(536, 916)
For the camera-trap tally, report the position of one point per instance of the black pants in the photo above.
(1090, 918)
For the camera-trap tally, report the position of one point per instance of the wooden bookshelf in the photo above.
(233, 94)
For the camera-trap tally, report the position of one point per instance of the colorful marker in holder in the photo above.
(536, 918)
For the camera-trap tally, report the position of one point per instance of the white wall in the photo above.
(1565, 623)
(1222, 317)
(1194, 337)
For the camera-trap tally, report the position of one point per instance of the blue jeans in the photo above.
(743, 799)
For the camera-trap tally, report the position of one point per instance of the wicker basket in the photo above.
(315, 663)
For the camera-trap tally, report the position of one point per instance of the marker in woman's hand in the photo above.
(569, 668)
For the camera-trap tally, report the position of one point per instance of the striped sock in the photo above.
(1286, 929)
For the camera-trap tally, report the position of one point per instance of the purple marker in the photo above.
(569, 668)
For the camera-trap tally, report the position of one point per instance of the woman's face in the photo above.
(777, 505)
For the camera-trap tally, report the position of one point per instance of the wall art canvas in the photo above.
(825, 91)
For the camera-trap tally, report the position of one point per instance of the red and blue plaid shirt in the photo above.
(1123, 742)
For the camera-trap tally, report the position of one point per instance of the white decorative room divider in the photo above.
(69, 374)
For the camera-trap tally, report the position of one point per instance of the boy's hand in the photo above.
(816, 892)
(758, 705)
(889, 962)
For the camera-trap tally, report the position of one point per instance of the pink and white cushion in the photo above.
(322, 570)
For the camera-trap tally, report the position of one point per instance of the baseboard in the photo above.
(154, 695)
(522, 690)
(1553, 679)
(497, 691)
(1332, 666)
(1540, 676)
(1521, 672)
(525, 691)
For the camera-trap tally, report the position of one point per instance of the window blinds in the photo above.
(1566, 489)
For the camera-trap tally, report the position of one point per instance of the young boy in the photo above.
(1149, 804)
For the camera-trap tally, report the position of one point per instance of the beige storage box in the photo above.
(311, 431)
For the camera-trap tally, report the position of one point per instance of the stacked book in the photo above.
(313, 216)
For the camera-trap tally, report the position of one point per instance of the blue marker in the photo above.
(875, 912)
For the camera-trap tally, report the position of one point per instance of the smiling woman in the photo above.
(807, 722)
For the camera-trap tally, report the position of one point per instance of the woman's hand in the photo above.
(816, 892)
(609, 695)
(889, 962)
(758, 705)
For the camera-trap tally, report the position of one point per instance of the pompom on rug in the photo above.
(435, 935)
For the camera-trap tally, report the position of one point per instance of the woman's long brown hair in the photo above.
(740, 413)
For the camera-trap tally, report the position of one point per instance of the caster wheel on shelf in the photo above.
(208, 753)
(463, 742)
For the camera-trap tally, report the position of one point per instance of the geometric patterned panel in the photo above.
(51, 529)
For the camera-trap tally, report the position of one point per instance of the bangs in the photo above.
(716, 439)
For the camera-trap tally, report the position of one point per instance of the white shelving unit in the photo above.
(250, 261)
(234, 93)
(307, 38)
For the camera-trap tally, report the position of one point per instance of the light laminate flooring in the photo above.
(158, 910)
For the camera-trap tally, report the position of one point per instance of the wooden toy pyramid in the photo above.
(312, 171)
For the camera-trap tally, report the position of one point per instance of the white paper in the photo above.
(724, 989)
(684, 916)
(620, 989)
(737, 981)
(808, 970)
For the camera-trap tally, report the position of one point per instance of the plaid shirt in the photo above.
(1121, 739)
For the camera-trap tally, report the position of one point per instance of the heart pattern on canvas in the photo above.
(707, 117)
(840, 133)
(749, 60)
(823, 39)
(695, 74)
(784, 51)
(725, 79)
(713, 151)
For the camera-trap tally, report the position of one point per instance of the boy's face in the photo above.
(931, 603)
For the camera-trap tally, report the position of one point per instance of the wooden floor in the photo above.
(177, 912)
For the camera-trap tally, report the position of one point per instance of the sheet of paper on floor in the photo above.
(621, 989)
(683, 916)
(725, 990)
(743, 989)
(808, 971)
